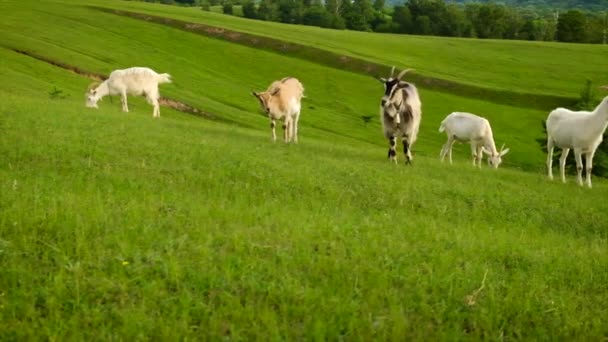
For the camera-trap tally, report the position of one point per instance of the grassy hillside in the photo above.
(217, 77)
(530, 67)
(120, 226)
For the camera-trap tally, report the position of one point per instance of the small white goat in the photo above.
(281, 101)
(133, 81)
(400, 114)
(581, 131)
(467, 127)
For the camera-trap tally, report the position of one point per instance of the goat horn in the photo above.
(392, 71)
(403, 73)
(502, 147)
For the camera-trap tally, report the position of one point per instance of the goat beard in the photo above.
(393, 114)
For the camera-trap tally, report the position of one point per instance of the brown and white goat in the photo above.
(281, 101)
(400, 114)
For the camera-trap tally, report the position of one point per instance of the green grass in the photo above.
(357, 65)
(217, 77)
(120, 226)
(528, 67)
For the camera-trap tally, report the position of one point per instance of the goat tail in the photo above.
(164, 78)
(442, 127)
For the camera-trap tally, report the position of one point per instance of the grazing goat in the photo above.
(467, 127)
(281, 101)
(133, 81)
(400, 114)
(581, 131)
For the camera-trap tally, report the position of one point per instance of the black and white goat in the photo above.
(400, 114)
(133, 81)
(281, 101)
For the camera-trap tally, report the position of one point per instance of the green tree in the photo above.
(402, 19)
(267, 10)
(427, 15)
(360, 15)
(596, 26)
(456, 23)
(333, 7)
(378, 20)
(528, 30)
(337, 22)
(249, 10)
(423, 25)
(227, 8)
(489, 20)
(571, 27)
(316, 15)
(290, 11)
(345, 11)
(378, 5)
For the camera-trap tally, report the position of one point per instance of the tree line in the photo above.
(431, 17)
(427, 17)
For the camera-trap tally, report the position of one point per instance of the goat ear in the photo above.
(503, 152)
(255, 94)
(381, 79)
(276, 91)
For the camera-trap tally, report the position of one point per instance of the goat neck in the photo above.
(102, 90)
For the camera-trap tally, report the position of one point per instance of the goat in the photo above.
(400, 114)
(133, 81)
(581, 131)
(467, 127)
(281, 101)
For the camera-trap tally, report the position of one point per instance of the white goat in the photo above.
(133, 81)
(281, 101)
(400, 114)
(581, 131)
(467, 127)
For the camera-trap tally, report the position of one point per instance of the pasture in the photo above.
(521, 66)
(121, 226)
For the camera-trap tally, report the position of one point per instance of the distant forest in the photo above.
(577, 21)
(595, 5)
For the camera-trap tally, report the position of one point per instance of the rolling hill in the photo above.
(120, 226)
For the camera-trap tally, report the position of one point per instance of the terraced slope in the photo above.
(527, 67)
